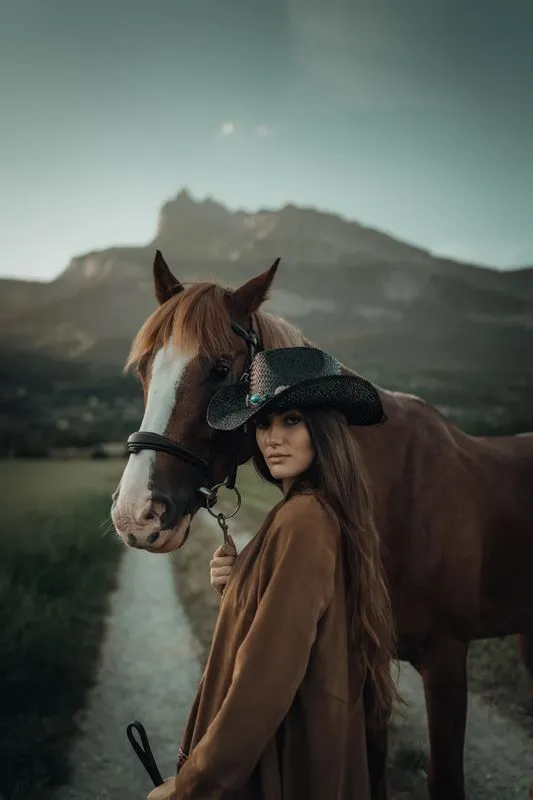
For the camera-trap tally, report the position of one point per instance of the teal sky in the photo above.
(413, 116)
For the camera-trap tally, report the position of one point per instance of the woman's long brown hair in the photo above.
(338, 474)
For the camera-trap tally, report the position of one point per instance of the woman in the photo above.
(305, 620)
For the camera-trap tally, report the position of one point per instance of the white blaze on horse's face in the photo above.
(134, 512)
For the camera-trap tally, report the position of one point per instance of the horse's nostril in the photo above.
(151, 511)
(164, 508)
(132, 540)
(153, 537)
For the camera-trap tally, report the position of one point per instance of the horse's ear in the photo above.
(165, 284)
(248, 297)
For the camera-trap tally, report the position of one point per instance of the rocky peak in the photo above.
(199, 229)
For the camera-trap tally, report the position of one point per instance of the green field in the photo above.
(58, 564)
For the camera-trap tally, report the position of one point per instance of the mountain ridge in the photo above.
(339, 280)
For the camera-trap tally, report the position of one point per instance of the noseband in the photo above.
(145, 440)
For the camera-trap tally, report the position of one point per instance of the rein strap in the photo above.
(144, 440)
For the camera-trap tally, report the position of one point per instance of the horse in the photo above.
(454, 511)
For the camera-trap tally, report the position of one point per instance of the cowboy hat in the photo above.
(299, 378)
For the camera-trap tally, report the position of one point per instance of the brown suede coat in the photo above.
(279, 712)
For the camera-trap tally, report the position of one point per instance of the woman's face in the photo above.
(285, 444)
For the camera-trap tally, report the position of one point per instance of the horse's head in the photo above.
(195, 343)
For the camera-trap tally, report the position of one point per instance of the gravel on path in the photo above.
(149, 670)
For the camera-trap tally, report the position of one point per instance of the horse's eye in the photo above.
(220, 370)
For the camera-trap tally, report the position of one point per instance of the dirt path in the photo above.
(149, 670)
(150, 667)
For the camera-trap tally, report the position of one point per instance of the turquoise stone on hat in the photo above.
(256, 399)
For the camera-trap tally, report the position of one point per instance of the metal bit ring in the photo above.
(210, 506)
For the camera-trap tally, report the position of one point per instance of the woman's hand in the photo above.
(221, 565)
(167, 790)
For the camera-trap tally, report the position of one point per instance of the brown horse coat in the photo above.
(454, 511)
(279, 712)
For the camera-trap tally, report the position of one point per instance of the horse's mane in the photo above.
(275, 332)
(197, 320)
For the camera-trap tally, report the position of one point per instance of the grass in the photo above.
(58, 564)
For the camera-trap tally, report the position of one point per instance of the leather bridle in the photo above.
(145, 440)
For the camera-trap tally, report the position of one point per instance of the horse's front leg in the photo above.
(377, 750)
(444, 673)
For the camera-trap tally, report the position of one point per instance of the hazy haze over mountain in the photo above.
(415, 118)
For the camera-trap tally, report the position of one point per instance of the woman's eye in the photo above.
(293, 420)
(220, 370)
(261, 424)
